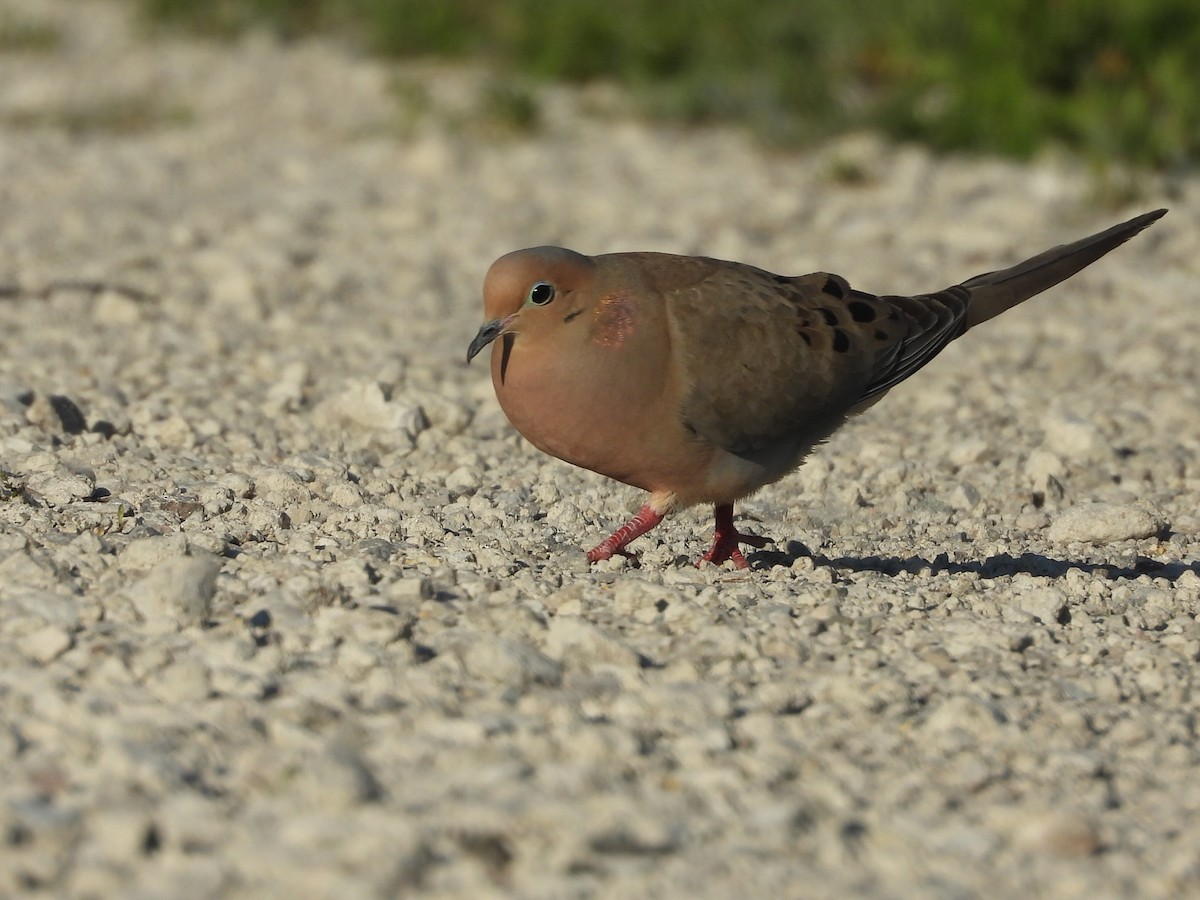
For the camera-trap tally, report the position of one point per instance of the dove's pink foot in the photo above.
(726, 540)
(645, 519)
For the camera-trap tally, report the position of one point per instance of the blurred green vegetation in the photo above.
(18, 35)
(121, 114)
(1112, 79)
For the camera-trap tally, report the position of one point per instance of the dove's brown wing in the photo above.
(933, 321)
(769, 358)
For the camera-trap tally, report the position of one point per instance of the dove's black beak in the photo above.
(488, 333)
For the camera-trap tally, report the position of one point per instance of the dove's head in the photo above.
(531, 293)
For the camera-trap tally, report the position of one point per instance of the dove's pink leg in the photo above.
(727, 538)
(645, 519)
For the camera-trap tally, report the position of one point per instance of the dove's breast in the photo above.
(608, 402)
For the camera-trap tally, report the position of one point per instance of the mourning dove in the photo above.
(701, 380)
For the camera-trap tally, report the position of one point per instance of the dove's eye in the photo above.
(541, 293)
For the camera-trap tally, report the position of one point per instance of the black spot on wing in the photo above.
(828, 314)
(841, 341)
(861, 311)
(835, 287)
(933, 320)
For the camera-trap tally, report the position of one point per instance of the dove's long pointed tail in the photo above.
(994, 292)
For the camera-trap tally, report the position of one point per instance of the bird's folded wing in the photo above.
(769, 358)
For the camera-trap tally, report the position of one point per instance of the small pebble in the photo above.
(177, 592)
(1103, 523)
(46, 644)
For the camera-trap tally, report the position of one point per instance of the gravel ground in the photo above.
(288, 609)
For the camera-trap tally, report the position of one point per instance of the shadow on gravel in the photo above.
(1000, 566)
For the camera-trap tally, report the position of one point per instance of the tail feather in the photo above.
(994, 292)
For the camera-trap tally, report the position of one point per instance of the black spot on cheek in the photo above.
(828, 314)
(507, 345)
(861, 312)
(834, 287)
(571, 315)
(881, 335)
(841, 341)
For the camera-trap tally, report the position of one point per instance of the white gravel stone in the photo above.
(46, 644)
(1103, 523)
(1043, 465)
(462, 480)
(62, 487)
(173, 431)
(579, 644)
(1061, 833)
(363, 406)
(177, 593)
(971, 450)
(181, 680)
(145, 553)
(337, 778)
(509, 662)
(28, 570)
(1072, 438)
(1047, 604)
(112, 308)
